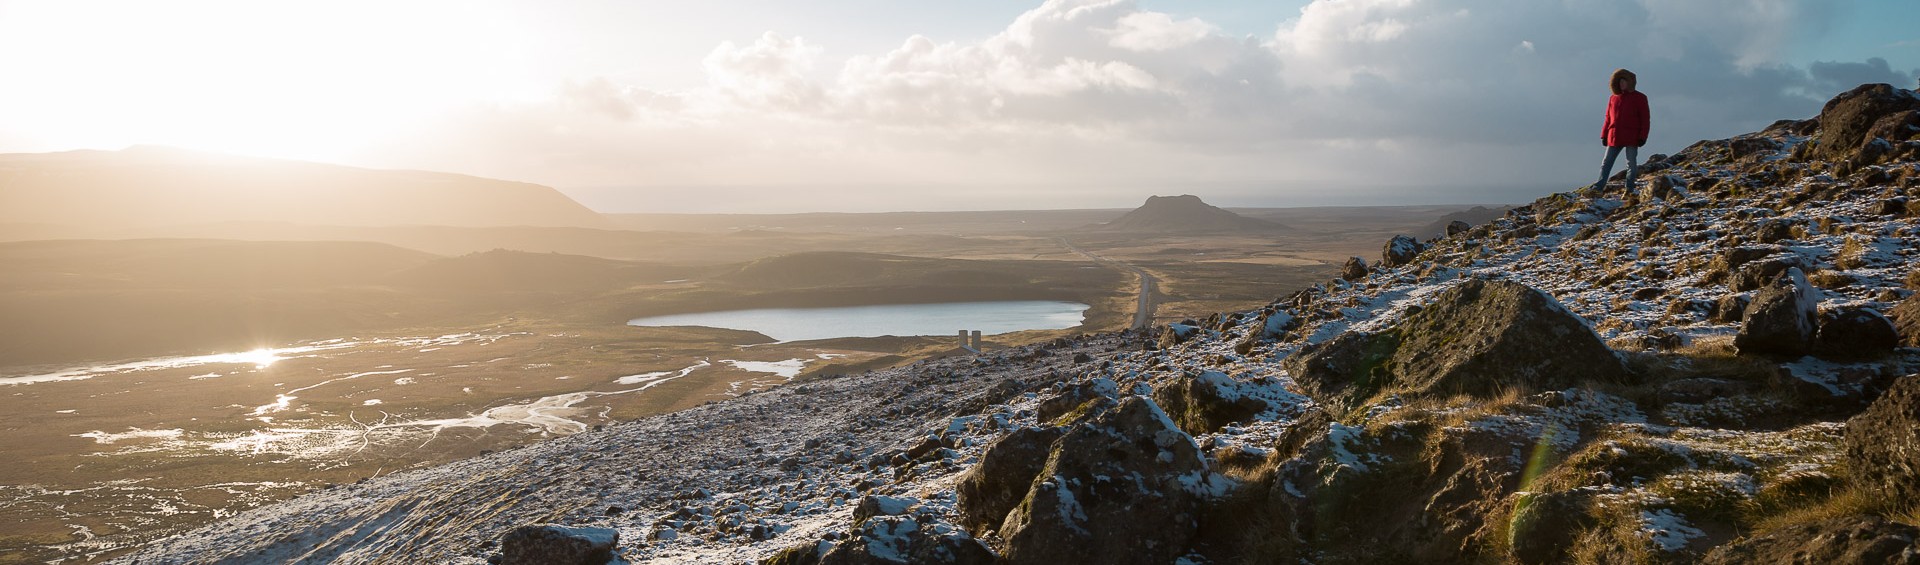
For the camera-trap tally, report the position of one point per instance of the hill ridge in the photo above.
(1330, 416)
(145, 186)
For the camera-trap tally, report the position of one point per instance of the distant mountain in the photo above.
(158, 186)
(1185, 213)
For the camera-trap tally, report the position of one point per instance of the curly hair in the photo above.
(1619, 75)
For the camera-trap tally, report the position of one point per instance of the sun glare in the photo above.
(260, 358)
(298, 80)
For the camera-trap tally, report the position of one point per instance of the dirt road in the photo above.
(1143, 306)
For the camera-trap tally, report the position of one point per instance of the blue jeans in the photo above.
(1633, 166)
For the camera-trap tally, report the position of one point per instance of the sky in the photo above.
(872, 105)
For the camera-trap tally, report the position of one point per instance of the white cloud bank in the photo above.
(1095, 103)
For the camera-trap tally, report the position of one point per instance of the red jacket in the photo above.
(1626, 120)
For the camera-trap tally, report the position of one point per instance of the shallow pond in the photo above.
(795, 324)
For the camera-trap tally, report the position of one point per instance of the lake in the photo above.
(795, 324)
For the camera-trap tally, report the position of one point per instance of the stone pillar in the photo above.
(963, 338)
(977, 345)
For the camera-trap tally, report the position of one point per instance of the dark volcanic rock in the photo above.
(1355, 269)
(1906, 320)
(1859, 540)
(554, 544)
(1116, 490)
(1729, 309)
(1780, 320)
(1203, 403)
(1477, 338)
(1399, 251)
(1883, 443)
(991, 489)
(1457, 227)
(893, 540)
(1855, 333)
(1846, 119)
(1074, 396)
(1758, 273)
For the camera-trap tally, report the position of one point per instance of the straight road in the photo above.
(1143, 307)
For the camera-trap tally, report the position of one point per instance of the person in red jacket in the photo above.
(1626, 127)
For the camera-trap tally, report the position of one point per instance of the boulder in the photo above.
(1205, 402)
(1883, 442)
(876, 505)
(1480, 337)
(1855, 334)
(898, 540)
(1399, 251)
(1457, 227)
(992, 488)
(803, 554)
(554, 544)
(1355, 269)
(1906, 320)
(1847, 119)
(1780, 319)
(1074, 396)
(1545, 525)
(1860, 539)
(1119, 489)
(1758, 273)
(1176, 334)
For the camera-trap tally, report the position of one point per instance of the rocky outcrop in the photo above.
(554, 544)
(1477, 338)
(991, 489)
(1861, 540)
(1847, 119)
(1855, 334)
(1118, 489)
(1204, 402)
(1399, 251)
(1883, 443)
(1780, 319)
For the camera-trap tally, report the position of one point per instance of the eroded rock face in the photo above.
(1477, 338)
(1846, 119)
(1780, 319)
(991, 489)
(1399, 251)
(1117, 489)
(1883, 443)
(1863, 540)
(554, 544)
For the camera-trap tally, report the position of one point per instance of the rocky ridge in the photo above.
(1597, 377)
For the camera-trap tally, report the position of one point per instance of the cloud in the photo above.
(1411, 93)
(1829, 75)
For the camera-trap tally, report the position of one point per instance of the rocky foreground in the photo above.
(1715, 367)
